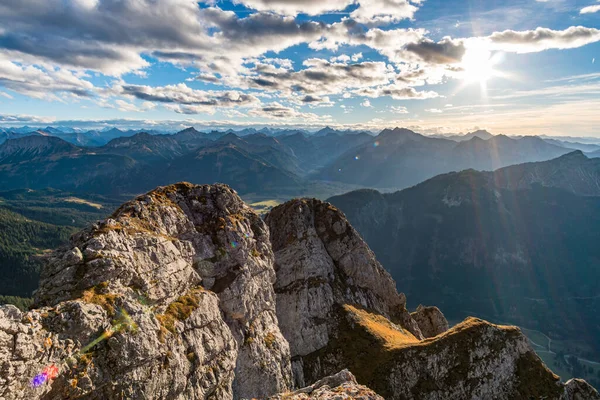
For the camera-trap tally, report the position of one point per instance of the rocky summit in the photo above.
(185, 293)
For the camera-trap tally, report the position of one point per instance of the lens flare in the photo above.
(47, 374)
(124, 322)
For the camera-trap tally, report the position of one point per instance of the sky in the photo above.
(522, 67)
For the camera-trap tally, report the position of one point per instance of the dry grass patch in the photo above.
(180, 309)
(77, 200)
(97, 295)
(392, 336)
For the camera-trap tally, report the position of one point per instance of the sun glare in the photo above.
(478, 65)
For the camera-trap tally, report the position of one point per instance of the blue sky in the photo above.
(513, 67)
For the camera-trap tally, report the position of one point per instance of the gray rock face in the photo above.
(578, 389)
(177, 284)
(340, 386)
(474, 360)
(431, 321)
(338, 308)
(322, 262)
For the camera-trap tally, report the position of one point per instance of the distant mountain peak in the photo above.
(480, 134)
(231, 137)
(327, 131)
(397, 132)
(533, 138)
(137, 139)
(574, 155)
(190, 130)
(142, 135)
(501, 138)
(37, 144)
(475, 139)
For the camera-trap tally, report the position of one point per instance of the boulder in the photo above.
(431, 321)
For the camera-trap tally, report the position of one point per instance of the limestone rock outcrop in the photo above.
(431, 321)
(321, 262)
(177, 286)
(578, 389)
(341, 386)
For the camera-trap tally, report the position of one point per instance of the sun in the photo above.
(478, 66)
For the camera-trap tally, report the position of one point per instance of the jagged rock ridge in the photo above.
(192, 267)
(322, 263)
(176, 297)
(341, 386)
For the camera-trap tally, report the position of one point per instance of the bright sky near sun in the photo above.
(513, 67)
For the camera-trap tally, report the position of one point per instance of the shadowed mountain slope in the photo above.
(400, 158)
(517, 245)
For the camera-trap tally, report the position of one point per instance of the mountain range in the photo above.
(268, 162)
(519, 244)
(401, 158)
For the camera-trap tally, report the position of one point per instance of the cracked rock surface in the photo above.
(341, 386)
(178, 284)
(431, 321)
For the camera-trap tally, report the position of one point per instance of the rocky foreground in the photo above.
(185, 293)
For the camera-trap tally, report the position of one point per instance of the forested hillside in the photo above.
(20, 240)
(32, 222)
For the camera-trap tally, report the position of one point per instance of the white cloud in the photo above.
(320, 77)
(42, 83)
(344, 58)
(576, 118)
(590, 9)
(396, 92)
(384, 11)
(542, 39)
(293, 7)
(112, 37)
(122, 105)
(368, 11)
(366, 103)
(182, 99)
(47, 48)
(356, 57)
(276, 110)
(19, 119)
(398, 110)
(581, 77)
